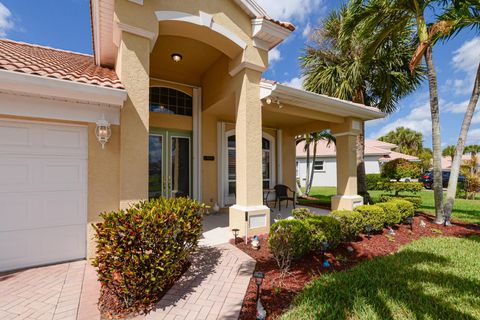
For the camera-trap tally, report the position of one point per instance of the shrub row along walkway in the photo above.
(212, 288)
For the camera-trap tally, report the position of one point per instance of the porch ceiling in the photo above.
(197, 58)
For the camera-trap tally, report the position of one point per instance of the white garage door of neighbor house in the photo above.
(43, 193)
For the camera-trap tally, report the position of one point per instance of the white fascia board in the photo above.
(268, 33)
(252, 8)
(313, 101)
(44, 86)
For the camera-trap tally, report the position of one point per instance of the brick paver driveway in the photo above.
(62, 291)
(213, 288)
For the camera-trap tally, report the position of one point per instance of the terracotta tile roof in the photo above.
(285, 24)
(55, 63)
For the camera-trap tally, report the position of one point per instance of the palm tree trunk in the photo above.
(436, 140)
(312, 171)
(307, 173)
(457, 160)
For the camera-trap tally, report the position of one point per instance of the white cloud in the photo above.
(451, 107)
(296, 82)
(307, 30)
(476, 118)
(465, 60)
(473, 136)
(6, 22)
(274, 55)
(418, 119)
(467, 57)
(290, 9)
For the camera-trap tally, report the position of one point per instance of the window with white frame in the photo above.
(318, 165)
(268, 155)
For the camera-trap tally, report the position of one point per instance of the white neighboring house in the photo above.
(325, 167)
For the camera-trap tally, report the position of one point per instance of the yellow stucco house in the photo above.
(174, 93)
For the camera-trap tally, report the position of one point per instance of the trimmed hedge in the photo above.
(323, 229)
(372, 215)
(373, 179)
(416, 200)
(289, 238)
(302, 213)
(351, 223)
(142, 250)
(405, 208)
(392, 213)
(397, 187)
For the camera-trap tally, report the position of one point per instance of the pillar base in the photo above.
(252, 220)
(341, 202)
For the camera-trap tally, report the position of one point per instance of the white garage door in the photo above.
(43, 192)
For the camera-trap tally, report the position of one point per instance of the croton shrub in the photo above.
(142, 250)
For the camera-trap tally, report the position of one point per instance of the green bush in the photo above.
(398, 187)
(416, 200)
(373, 179)
(323, 229)
(401, 168)
(142, 250)
(392, 213)
(372, 215)
(288, 239)
(301, 213)
(405, 208)
(351, 223)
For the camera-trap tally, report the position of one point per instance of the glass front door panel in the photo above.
(180, 166)
(155, 166)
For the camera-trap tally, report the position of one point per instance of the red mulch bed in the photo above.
(278, 293)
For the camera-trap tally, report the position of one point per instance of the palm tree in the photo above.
(348, 69)
(449, 151)
(459, 15)
(384, 17)
(408, 141)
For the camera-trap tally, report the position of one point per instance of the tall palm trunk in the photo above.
(436, 141)
(307, 173)
(455, 170)
(312, 170)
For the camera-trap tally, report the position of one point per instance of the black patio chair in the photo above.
(281, 194)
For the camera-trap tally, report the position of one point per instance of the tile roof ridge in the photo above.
(33, 45)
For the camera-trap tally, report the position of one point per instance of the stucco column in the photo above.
(249, 215)
(133, 70)
(346, 146)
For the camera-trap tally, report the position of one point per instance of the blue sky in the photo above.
(66, 25)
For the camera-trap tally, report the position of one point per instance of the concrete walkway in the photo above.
(213, 288)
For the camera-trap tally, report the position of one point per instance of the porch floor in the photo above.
(216, 230)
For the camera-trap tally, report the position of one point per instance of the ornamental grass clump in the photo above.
(143, 250)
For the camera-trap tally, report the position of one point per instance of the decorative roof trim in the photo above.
(318, 102)
(119, 27)
(204, 20)
(267, 34)
(252, 8)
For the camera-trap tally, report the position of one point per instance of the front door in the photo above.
(169, 163)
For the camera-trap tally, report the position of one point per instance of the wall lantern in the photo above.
(176, 57)
(103, 131)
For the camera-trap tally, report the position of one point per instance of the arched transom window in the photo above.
(171, 101)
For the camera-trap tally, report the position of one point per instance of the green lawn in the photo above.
(432, 278)
(464, 210)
